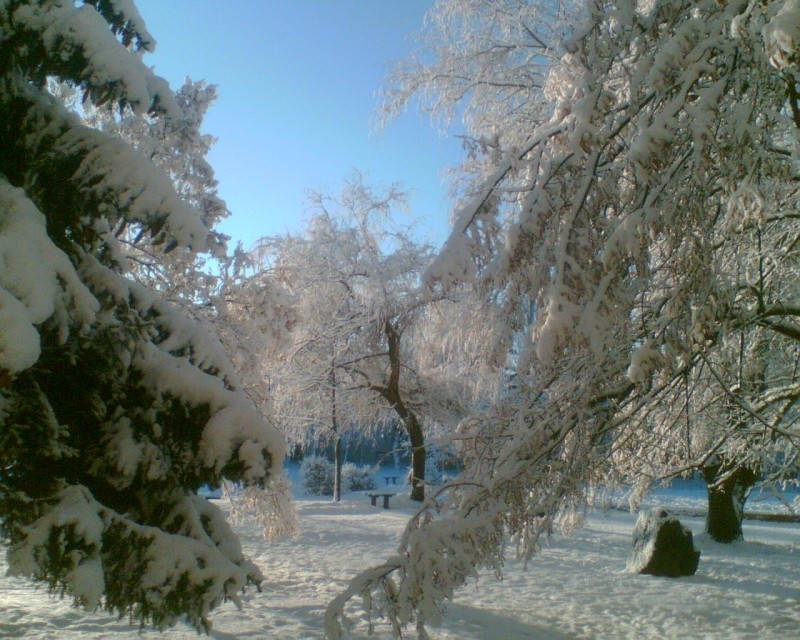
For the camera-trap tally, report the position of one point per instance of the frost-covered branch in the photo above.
(632, 221)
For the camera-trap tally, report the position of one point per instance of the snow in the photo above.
(37, 281)
(577, 587)
(76, 509)
(234, 428)
(643, 360)
(781, 33)
(66, 30)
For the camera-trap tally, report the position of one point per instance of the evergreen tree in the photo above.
(114, 408)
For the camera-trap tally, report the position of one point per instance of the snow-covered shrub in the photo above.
(316, 476)
(355, 478)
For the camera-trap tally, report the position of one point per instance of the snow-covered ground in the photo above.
(577, 588)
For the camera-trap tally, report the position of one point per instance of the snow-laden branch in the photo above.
(72, 165)
(65, 38)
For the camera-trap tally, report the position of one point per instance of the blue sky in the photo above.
(298, 83)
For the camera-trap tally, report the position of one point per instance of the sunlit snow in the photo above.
(577, 588)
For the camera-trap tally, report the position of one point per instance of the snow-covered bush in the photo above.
(316, 476)
(356, 478)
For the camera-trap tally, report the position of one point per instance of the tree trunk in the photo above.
(409, 419)
(728, 488)
(418, 455)
(337, 468)
(337, 442)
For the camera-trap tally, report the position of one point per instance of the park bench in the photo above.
(374, 498)
(390, 479)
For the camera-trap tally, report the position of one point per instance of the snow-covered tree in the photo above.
(114, 408)
(363, 353)
(314, 395)
(732, 414)
(176, 146)
(225, 289)
(219, 289)
(621, 153)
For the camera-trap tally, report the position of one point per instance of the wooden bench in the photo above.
(390, 479)
(374, 498)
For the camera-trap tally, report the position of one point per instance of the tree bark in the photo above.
(728, 488)
(418, 455)
(391, 392)
(337, 468)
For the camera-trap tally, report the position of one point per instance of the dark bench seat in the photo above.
(374, 498)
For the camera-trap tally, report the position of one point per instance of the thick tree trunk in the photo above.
(418, 455)
(727, 492)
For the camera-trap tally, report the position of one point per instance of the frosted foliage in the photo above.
(643, 361)
(367, 346)
(271, 508)
(630, 173)
(117, 406)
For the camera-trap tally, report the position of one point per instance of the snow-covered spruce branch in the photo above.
(190, 570)
(91, 166)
